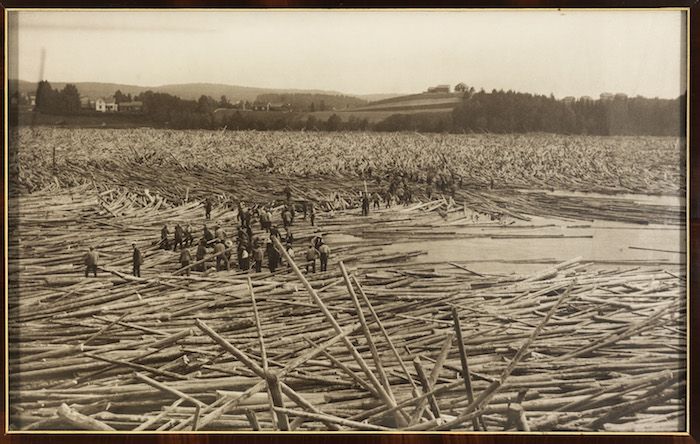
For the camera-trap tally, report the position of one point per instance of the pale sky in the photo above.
(360, 52)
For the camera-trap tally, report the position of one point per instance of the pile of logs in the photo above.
(244, 164)
(378, 342)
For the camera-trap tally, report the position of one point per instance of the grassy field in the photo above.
(421, 97)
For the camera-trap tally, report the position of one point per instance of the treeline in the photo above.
(53, 101)
(312, 102)
(478, 112)
(243, 120)
(511, 112)
(167, 110)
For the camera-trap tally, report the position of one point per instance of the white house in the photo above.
(106, 105)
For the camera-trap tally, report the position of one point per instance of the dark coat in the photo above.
(186, 257)
(137, 257)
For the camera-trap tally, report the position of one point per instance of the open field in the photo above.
(512, 299)
(418, 104)
(424, 97)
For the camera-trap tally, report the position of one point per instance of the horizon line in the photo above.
(350, 94)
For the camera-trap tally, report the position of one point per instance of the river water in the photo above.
(607, 244)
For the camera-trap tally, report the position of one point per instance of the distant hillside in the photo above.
(192, 91)
(188, 91)
(429, 102)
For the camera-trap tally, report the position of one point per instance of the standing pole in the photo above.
(465, 365)
(273, 387)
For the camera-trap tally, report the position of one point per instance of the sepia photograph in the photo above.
(352, 220)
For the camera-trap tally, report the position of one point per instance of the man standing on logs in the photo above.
(178, 237)
(311, 255)
(201, 253)
(388, 197)
(286, 217)
(324, 252)
(207, 208)
(185, 260)
(243, 244)
(275, 232)
(164, 232)
(264, 219)
(189, 238)
(290, 252)
(208, 237)
(375, 201)
(91, 261)
(365, 204)
(245, 217)
(317, 240)
(219, 249)
(258, 254)
(312, 213)
(273, 257)
(244, 262)
(137, 260)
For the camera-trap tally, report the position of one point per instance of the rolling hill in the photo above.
(188, 91)
(416, 102)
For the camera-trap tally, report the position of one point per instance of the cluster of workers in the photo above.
(252, 250)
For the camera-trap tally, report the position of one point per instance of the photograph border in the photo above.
(692, 280)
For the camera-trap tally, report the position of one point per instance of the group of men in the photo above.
(251, 249)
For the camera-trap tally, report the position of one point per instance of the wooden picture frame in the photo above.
(693, 228)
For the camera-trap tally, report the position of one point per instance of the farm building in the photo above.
(106, 105)
(131, 107)
(269, 106)
(439, 89)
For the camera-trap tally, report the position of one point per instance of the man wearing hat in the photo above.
(137, 260)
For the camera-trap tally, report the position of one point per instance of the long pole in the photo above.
(360, 361)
